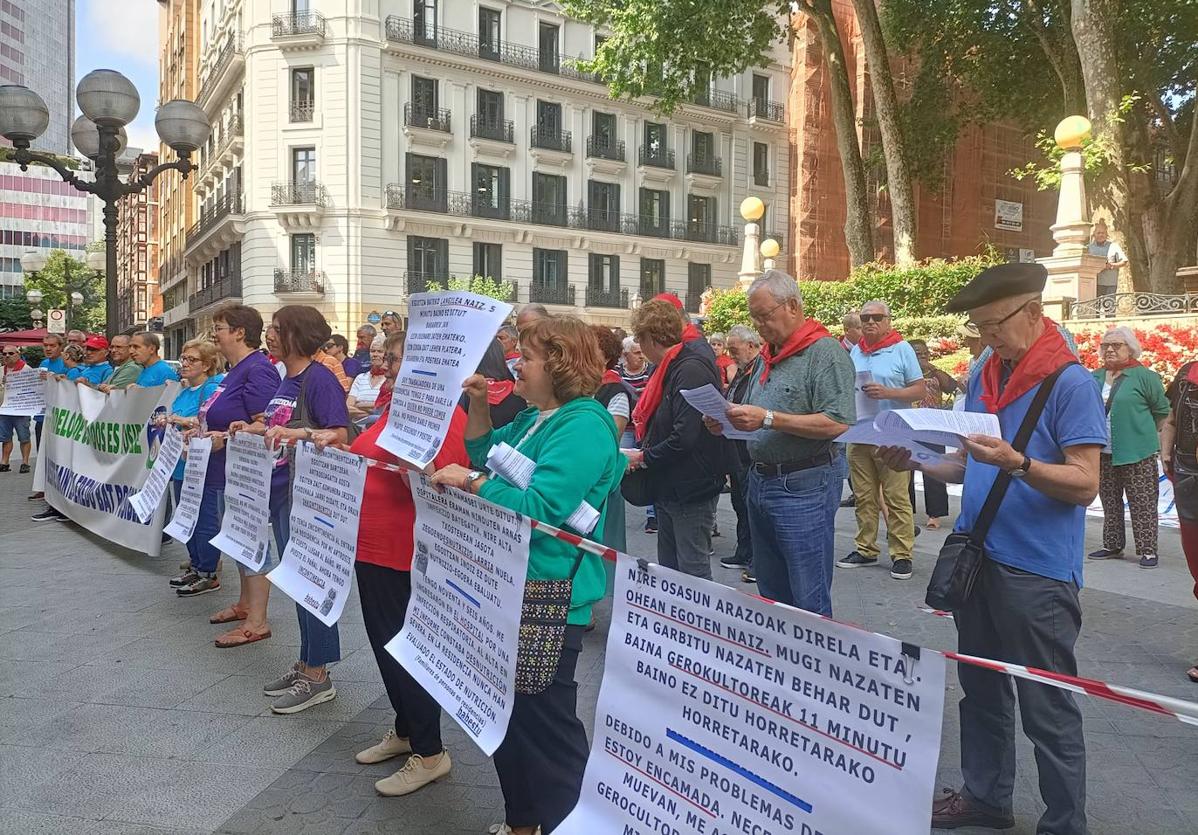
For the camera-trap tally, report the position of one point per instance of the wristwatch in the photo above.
(768, 422)
(1021, 470)
(471, 477)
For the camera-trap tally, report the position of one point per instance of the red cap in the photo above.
(669, 297)
(96, 342)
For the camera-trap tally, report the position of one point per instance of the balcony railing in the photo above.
(551, 293)
(298, 194)
(225, 287)
(501, 130)
(761, 177)
(212, 214)
(300, 23)
(229, 51)
(773, 111)
(707, 164)
(299, 281)
(656, 157)
(552, 139)
(601, 147)
(417, 282)
(233, 130)
(301, 111)
(431, 118)
(605, 297)
(717, 100)
(780, 237)
(1133, 304)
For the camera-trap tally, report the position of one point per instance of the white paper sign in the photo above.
(243, 531)
(707, 401)
(183, 524)
(317, 568)
(943, 427)
(867, 407)
(146, 500)
(865, 433)
(463, 625)
(24, 393)
(448, 333)
(1008, 215)
(518, 468)
(723, 713)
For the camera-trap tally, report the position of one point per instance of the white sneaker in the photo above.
(413, 776)
(391, 746)
(504, 829)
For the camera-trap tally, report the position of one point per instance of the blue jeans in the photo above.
(203, 556)
(319, 644)
(792, 519)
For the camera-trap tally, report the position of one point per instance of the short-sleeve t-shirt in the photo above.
(1031, 531)
(324, 400)
(894, 366)
(187, 404)
(244, 392)
(54, 366)
(156, 374)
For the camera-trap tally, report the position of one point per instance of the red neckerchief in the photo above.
(514, 355)
(384, 394)
(498, 390)
(1124, 366)
(804, 335)
(1047, 354)
(651, 396)
(377, 371)
(1192, 374)
(892, 338)
(610, 376)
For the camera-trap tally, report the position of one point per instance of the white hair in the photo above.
(1126, 335)
(779, 285)
(877, 303)
(379, 342)
(744, 334)
(629, 343)
(717, 337)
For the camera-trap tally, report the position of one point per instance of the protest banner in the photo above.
(448, 333)
(463, 624)
(317, 567)
(24, 393)
(146, 500)
(721, 712)
(183, 523)
(244, 528)
(92, 465)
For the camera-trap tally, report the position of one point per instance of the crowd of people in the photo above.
(602, 414)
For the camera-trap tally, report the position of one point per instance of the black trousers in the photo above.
(740, 486)
(541, 760)
(1025, 619)
(385, 593)
(935, 493)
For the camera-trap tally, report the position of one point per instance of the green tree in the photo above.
(62, 276)
(480, 285)
(14, 315)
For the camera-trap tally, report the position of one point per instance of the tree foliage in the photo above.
(480, 285)
(14, 315)
(62, 276)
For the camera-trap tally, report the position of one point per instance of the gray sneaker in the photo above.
(202, 584)
(282, 684)
(185, 579)
(305, 693)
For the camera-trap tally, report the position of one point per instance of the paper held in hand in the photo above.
(517, 468)
(937, 426)
(865, 433)
(708, 402)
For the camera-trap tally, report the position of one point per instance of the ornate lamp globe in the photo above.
(108, 98)
(751, 209)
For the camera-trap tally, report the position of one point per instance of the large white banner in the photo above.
(317, 568)
(96, 455)
(448, 333)
(463, 625)
(720, 712)
(183, 524)
(145, 501)
(244, 530)
(24, 393)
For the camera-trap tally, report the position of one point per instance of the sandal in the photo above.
(1192, 674)
(234, 615)
(24, 469)
(240, 637)
(5, 468)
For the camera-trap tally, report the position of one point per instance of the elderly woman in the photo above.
(1179, 455)
(1135, 406)
(685, 464)
(724, 363)
(364, 390)
(572, 440)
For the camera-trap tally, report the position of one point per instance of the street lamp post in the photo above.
(109, 101)
(34, 297)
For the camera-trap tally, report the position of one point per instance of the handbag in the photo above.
(543, 631)
(960, 560)
(637, 488)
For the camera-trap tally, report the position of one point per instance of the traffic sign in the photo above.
(56, 321)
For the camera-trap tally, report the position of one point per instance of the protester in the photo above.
(52, 363)
(199, 365)
(502, 399)
(1024, 606)
(72, 357)
(10, 424)
(364, 392)
(684, 465)
(338, 348)
(95, 369)
(383, 565)
(145, 348)
(328, 361)
(1136, 406)
(530, 313)
(633, 368)
(1179, 456)
(723, 363)
(895, 382)
(803, 399)
(572, 440)
(745, 347)
(366, 335)
(241, 397)
(125, 369)
(76, 337)
(391, 323)
(509, 340)
(1103, 247)
(851, 322)
(940, 387)
(618, 398)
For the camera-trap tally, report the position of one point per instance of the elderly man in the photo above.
(744, 347)
(12, 363)
(509, 339)
(1102, 246)
(391, 323)
(76, 337)
(889, 377)
(1024, 607)
(144, 348)
(96, 369)
(801, 401)
(126, 370)
(529, 314)
(52, 345)
(366, 335)
(852, 330)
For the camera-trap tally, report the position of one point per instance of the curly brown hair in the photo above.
(610, 345)
(658, 320)
(572, 356)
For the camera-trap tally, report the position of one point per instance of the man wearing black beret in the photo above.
(1024, 606)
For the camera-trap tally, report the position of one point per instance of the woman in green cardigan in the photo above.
(573, 442)
(1135, 405)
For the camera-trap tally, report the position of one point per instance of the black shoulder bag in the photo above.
(961, 556)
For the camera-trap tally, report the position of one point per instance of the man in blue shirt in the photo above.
(1024, 607)
(144, 348)
(96, 368)
(888, 377)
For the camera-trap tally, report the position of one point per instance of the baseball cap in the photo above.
(94, 342)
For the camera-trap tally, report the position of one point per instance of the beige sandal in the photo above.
(230, 614)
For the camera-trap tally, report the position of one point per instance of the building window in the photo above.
(700, 218)
(488, 261)
(653, 277)
(549, 199)
(761, 95)
(492, 191)
(603, 128)
(426, 183)
(655, 138)
(424, 98)
(428, 260)
(303, 254)
(761, 164)
(489, 121)
(703, 145)
(547, 41)
(488, 33)
(703, 84)
(549, 268)
(548, 132)
(604, 273)
(303, 166)
(654, 213)
(698, 279)
(424, 22)
(303, 94)
(603, 206)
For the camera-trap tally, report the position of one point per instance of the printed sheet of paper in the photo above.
(866, 433)
(943, 427)
(448, 333)
(244, 529)
(518, 468)
(183, 523)
(146, 500)
(24, 393)
(867, 407)
(462, 631)
(708, 402)
(317, 568)
(723, 713)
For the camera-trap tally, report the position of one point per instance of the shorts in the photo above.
(10, 422)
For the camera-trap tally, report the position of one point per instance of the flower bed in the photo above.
(1165, 348)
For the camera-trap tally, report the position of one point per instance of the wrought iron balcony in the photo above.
(771, 111)
(212, 214)
(309, 193)
(230, 52)
(501, 130)
(551, 139)
(225, 287)
(761, 177)
(780, 237)
(707, 164)
(417, 282)
(551, 293)
(717, 100)
(656, 157)
(299, 23)
(301, 111)
(1134, 304)
(431, 118)
(708, 233)
(299, 281)
(603, 148)
(607, 297)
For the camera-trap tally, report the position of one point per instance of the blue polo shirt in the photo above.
(156, 374)
(1034, 532)
(894, 366)
(54, 366)
(94, 374)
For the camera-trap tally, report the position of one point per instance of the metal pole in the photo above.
(110, 300)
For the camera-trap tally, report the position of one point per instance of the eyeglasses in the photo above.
(186, 359)
(762, 318)
(874, 317)
(1113, 346)
(12, 353)
(220, 328)
(328, 346)
(390, 358)
(994, 325)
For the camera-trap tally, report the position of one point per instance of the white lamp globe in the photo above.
(108, 98)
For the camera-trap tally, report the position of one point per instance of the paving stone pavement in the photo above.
(118, 715)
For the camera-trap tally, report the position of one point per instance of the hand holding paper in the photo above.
(710, 403)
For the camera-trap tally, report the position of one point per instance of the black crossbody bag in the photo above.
(961, 556)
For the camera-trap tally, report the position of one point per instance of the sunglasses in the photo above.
(874, 317)
(12, 354)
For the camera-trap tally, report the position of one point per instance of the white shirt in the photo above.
(618, 406)
(364, 390)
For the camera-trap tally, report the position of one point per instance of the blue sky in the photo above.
(122, 35)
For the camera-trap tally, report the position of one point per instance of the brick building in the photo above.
(138, 298)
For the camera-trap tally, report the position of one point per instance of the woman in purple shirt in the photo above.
(241, 396)
(309, 397)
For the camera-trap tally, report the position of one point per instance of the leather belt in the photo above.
(820, 460)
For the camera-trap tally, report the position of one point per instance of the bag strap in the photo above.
(1114, 388)
(998, 490)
